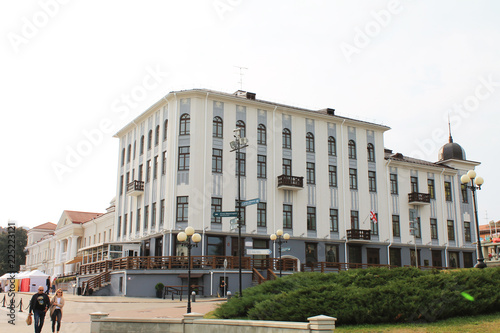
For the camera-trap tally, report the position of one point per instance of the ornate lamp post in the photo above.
(236, 145)
(183, 236)
(475, 184)
(280, 238)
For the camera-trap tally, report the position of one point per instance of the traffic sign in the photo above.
(250, 202)
(233, 224)
(259, 251)
(284, 249)
(225, 214)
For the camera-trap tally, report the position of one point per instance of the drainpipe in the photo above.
(173, 185)
(344, 192)
(274, 180)
(204, 176)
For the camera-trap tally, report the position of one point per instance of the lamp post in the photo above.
(183, 236)
(237, 145)
(475, 184)
(281, 239)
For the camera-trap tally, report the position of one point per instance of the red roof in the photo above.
(47, 225)
(80, 217)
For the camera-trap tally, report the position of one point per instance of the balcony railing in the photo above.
(290, 182)
(135, 188)
(359, 234)
(419, 198)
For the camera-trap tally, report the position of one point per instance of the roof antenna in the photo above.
(450, 140)
(241, 76)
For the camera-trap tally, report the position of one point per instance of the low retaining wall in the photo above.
(194, 323)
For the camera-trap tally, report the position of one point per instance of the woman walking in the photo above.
(56, 305)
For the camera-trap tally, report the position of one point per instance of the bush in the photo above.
(375, 295)
(159, 286)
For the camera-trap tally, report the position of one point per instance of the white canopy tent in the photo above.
(37, 278)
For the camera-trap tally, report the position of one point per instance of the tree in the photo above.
(6, 247)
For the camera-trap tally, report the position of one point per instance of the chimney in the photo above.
(328, 111)
(245, 94)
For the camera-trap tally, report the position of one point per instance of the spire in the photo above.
(450, 139)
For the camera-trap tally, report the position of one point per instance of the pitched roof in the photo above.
(47, 225)
(389, 155)
(80, 217)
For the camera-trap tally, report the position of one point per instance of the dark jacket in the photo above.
(39, 302)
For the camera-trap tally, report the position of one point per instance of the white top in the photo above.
(58, 301)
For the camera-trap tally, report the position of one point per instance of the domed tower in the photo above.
(451, 150)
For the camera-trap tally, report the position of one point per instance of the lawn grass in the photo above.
(476, 324)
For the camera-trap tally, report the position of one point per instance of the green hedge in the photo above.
(366, 296)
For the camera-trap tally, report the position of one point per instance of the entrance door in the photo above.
(373, 256)
(159, 246)
(395, 255)
(234, 249)
(468, 259)
(311, 254)
(355, 255)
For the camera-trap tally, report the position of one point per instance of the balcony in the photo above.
(290, 182)
(135, 188)
(416, 198)
(359, 234)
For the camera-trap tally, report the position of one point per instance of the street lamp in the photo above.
(475, 184)
(237, 145)
(281, 239)
(183, 236)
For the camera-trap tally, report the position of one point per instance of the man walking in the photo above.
(39, 305)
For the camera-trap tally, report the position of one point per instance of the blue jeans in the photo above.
(39, 319)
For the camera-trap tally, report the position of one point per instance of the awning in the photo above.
(193, 275)
(74, 260)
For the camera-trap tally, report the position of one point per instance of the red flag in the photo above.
(373, 216)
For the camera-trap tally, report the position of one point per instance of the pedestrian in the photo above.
(56, 305)
(39, 305)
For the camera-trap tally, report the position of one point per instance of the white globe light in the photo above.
(286, 236)
(181, 236)
(479, 181)
(273, 237)
(471, 174)
(189, 231)
(465, 179)
(279, 232)
(196, 238)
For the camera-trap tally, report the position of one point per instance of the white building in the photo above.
(40, 248)
(318, 176)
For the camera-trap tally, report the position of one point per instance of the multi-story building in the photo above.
(324, 179)
(40, 248)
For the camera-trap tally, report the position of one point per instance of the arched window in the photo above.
(157, 135)
(184, 124)
(309, 142)
(287, 138)
(332, 149)
(371, 153)
(141, 146)
(241, 125)
(261, 134)
(217, 127)
(129, 152)
(165, 127)
(352, 149)
(150, 139)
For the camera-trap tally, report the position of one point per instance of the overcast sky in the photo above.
(74, 72)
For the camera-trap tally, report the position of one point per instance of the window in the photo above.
(465, 197)
(148, 171)
(451, 230)
(118, 229)
(216, 207)
(141, 148)
(396, 231)
(183, 158)
(121, 184)
(414, 184)
(184, 124)
(241, 166)
(153, 216)
(217, 127)
(371, 152)
(418, 229)
(351, 148)
(287, 139)
(261, 166)
(309, 142)
(135, 148)
(332, 175)
(129, 153)
(165, 128)
(467, 231)
(217, 160)
(354, 219)
(394, 183)
(447, 191)
(146, 217)
(123, 156)
(215, 246)
(431, 189)
(434, 229)
(334, 220)
(157, 135)
(332, 149)
(164, 163)
(155, 168)
(261, 214)
(311, 218)
(138, 220)
(261, 135)
(287, 167)
(374, 225)
(124, 226)
(242, 213)
(150, 139)
(182, 209)
(353, 179)
(287, 216)
(162, 212)
(372, 181)
(139, 176)
(311, 174)
(241, 125)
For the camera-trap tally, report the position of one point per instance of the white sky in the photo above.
(70, 72)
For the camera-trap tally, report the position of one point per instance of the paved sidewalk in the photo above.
(76, 312)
